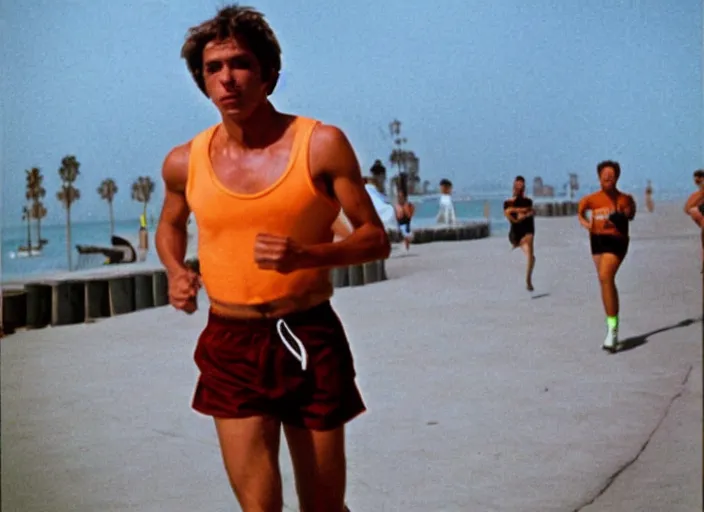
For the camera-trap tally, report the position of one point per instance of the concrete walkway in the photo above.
(482, 397)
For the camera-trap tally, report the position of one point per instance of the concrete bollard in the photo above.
(160, 288)
(394, 235)
(425, 236)
(370, 272)
(356, 275)
(340, 277)
(68, 303)
(14, 310)
(382, 266)
(143, 291)
(38, 305)
(97, 299)
(121, 290)
(448, 234)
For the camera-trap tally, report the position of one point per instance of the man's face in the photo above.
(233, 78)
(519, 187)
(698, 182)
(607, 178)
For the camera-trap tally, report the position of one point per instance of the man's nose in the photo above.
(227, 76)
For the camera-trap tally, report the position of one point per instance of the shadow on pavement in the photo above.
(637, 341)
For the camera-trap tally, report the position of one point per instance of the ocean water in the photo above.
(54, 256)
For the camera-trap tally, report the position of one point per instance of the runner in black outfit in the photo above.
(519, 212)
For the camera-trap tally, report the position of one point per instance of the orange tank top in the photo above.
(229, 222)
(601, 206)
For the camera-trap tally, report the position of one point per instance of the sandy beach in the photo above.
(482, 396)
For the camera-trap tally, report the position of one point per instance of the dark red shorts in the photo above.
(248, 370)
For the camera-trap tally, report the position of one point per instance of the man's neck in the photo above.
(255, 131)
(613, 193)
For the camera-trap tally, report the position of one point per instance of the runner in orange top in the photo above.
(265, 189)
(611, 211)
(694, 206)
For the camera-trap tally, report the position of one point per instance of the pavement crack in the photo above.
(624, 467)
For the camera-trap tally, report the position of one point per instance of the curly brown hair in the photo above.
(245, 24)
(608, 163)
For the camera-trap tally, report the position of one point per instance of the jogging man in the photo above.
(694, 206)
(608, 226)
(519, 212)
(265, 189)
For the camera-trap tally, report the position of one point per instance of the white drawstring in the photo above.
(303, 356)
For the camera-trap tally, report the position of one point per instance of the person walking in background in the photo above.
(611, 212)
(404, 213)
(649, 203)
(446, 214)
(519, 212)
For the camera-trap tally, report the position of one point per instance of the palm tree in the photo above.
(107, 191)
(412, 168)
(34, 193)
(68, 194)
(38, 212)
(142, 190)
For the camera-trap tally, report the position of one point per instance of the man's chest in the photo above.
(252, 172)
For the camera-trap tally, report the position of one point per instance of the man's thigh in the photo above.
(320, 466)
(527, 244)
(250, 451)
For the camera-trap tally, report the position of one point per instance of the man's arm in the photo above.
(693, 201)
(332, 155)
(630, 210)
(509, 210)
(511, 218)
(582, 208)
(171, 233)
(529, 211)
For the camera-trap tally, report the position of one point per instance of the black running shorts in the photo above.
(617, 245)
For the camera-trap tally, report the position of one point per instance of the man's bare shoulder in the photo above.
(331, 151)
(586, 200)
(175, 167)
(697, 194)
(327, 138)
(629, 197)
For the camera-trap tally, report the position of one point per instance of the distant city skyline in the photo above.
(484, 90)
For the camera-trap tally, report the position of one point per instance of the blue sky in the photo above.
(484, 89)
